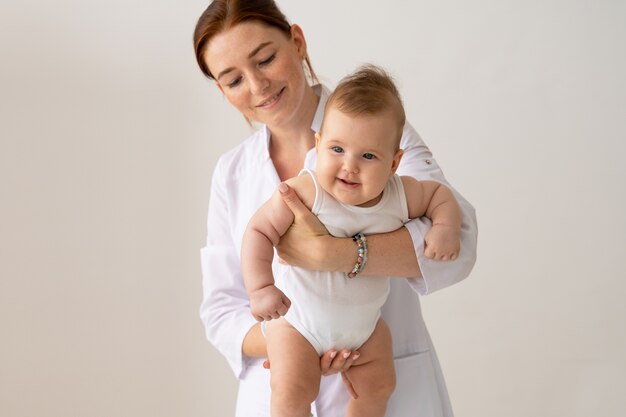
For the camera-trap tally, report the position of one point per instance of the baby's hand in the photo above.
(269, 303)
(443, 243)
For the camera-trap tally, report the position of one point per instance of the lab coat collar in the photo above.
(323, 93)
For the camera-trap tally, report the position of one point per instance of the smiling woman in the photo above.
(109, 135)
(266, 82)
(259, 62)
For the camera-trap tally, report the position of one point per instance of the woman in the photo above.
(259, 62)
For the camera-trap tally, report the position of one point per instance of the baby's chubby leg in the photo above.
(295, 370)
(373, 375)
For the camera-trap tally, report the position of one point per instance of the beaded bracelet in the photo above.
(361, 259)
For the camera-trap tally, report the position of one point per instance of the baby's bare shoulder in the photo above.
(304, 186)
(410, 184)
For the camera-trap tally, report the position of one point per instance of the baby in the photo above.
(354, 191)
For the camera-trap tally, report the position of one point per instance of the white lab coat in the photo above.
(243, 179)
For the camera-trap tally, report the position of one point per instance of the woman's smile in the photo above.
(260, 72)
(271, 101)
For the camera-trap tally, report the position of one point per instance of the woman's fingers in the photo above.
(349, 359)
(326, 360)
(349, 386)
(302, 214)
(292, 200)
(337, 361)
(305, 243)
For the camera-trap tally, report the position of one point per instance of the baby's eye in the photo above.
(369, 156)
(337, 149)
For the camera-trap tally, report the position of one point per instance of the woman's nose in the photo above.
(259, 83)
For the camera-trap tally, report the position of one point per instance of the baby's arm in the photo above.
(263, 232)
(436, 201)
(257, 252)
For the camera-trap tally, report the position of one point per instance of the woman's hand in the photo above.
(335, 361)
(307, 244)
(332, 362)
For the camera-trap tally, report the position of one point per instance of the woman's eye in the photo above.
(234, 83)
(268, 60)
(368, 156)
(337, 149)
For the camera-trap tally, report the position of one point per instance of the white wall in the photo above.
(108, 136)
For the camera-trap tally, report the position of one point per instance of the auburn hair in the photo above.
(222, 15)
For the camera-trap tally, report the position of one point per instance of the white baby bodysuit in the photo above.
(329, 309)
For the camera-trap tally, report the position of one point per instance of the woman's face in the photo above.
(259, 70)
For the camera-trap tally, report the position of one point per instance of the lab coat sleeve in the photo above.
(225, 308)
(419, 163)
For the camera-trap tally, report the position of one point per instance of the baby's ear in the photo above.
(318, 138)
(396, 161)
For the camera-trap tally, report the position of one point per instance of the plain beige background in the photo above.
(108, 137)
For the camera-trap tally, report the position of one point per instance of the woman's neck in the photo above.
(288, 154)
(290, 143)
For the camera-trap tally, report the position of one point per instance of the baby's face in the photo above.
(356, 156)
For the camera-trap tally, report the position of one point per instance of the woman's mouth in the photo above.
(270, 101)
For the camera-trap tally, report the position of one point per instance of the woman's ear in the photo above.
(297, 35)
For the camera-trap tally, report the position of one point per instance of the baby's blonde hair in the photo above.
(369, 90)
